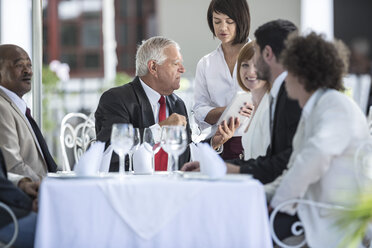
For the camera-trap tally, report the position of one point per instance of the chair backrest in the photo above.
(297, 227)
(14, 218)
(77, 134)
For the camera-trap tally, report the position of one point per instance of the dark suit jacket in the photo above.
(286, 117)
(16, 199)
(129, 104)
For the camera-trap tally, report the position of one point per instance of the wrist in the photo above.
(218, 149)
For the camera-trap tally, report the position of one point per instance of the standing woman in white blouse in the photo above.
(215, 79)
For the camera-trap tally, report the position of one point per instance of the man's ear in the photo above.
(152, 67)
(268, 54)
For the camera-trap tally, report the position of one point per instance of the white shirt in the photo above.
(19, 102)
(321, 166)
(154, 97)
(214, 86)
(257, 138)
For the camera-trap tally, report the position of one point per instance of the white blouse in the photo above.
(257, 138)
(213, 85)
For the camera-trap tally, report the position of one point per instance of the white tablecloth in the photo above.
(86, 213)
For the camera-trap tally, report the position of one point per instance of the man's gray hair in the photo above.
(152, 49)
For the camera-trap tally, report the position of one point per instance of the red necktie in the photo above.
(161, 158)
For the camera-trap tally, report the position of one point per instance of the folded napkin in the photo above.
(194, 150)
(142, 159)
(106, 159)
(89, 163)
(211, 163)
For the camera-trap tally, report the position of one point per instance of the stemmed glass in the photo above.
(122, 141)
(151, 141)
(136, 144)
(174, 142)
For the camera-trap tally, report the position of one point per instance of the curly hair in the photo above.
(316, 62)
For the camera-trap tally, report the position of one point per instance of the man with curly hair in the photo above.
(331, 128)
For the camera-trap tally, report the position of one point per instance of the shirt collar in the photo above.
(19, 102)
(309, 105)
(151, 94)
(277, 84)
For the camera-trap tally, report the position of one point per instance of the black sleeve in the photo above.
(267, 168)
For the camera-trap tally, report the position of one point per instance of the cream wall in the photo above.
(185, 21)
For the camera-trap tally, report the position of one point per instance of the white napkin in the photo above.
(211, 163)
(90, 161)
(194, 150)
(106, 159)
(142, 159)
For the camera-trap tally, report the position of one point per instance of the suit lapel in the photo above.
(23, 117)
(147, 113)
(278, 109)
(170, 105)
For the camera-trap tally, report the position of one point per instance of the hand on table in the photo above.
(191, 166)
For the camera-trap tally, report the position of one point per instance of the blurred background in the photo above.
(89, 46)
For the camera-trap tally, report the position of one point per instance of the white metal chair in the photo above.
(363, 173)
(14, 218)
(77, 134)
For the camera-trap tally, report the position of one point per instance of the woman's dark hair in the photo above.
(316, 62)
(237, 10)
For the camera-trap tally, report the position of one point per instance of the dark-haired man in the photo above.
(284, 112)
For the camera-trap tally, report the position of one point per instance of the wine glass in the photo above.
(136, 144)
(174, 142)
(151, 141)
(122, 141)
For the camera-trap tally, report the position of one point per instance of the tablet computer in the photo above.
(232, 110)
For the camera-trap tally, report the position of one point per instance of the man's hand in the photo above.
(191, 166)
(174, 120)
(29, 187)
(247, 110)
(225, 132)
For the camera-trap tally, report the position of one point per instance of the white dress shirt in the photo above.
(214, 86)
(257, 138)
(154, 97)
(19, 102)
(321, 166)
